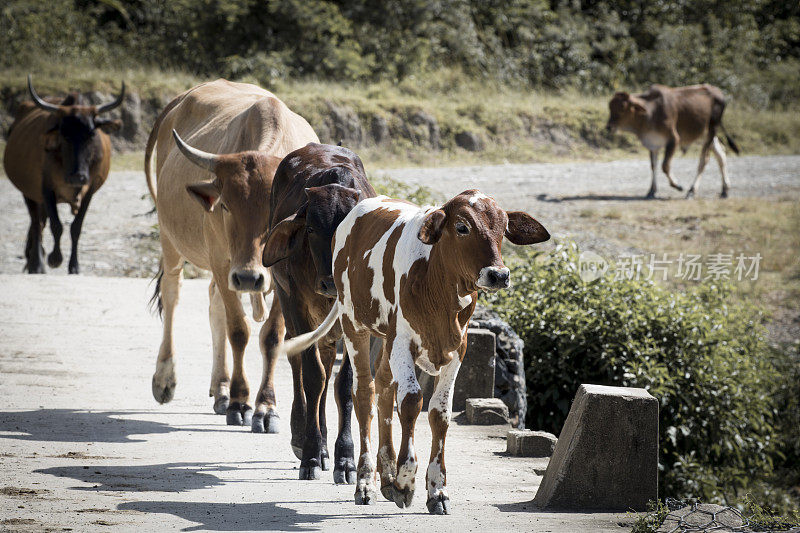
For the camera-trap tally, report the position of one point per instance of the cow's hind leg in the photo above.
(327, 355)
(220, 376)
(34, 256)
(265, 417)
(666, 166)
(54, 258)
(387, 459)
(239, 412)
(409, 403)
(344, 469)
(701, 165)
(439, 410)
(168, 288)
(357, 343)
(719, 153)
(75, 233)
(653, 172)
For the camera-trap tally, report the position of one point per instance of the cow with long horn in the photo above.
(58, 151)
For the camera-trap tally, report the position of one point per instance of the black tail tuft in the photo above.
(156, 305)
(732, 144)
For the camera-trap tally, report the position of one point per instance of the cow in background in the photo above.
(315, 187)
(217, 148)
(58, 153)
(666, 117)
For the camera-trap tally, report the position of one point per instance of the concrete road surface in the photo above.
(84, 447)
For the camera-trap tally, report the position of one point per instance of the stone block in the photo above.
(606, 457)
(527, 443)
(486, 412)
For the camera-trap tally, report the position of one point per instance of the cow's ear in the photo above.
(52, 140)
(621, 95)
(206, 193)
(432, 227)
(108, 125)
(284, 239)
(524, 229)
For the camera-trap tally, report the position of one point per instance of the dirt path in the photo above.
(84, 446)
(118, 233)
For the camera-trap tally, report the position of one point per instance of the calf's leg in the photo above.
(666, 166)
(220, 375)
(719, 153)
(653, 171)
(169, 287)
(344, 469)
(75, 233)
(439, 411)
(265, 418)
(701, 165)
(327, 354)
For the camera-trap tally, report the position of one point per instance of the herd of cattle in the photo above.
(243, 189)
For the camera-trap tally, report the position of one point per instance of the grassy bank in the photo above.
(422, 116)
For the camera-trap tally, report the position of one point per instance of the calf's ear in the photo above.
(283, 240)
(206, 193)
(524, 229)
(432, 227)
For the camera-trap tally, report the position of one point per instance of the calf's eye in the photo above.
(462, 229)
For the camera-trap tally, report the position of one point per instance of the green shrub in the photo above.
(706, 361)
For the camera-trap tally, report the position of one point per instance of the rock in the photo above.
(476, 375)
(131, 118)
(509, 367)
(486, 412)
(423, 128)
(704, 517)
(345, 125)
(527, 443)
(469, 141)
(607, 454)
(379, 129)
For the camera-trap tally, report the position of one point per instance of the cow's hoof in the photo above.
(233, 415)
(311, 471)
(344, 472)
(690, 194)
(401, 497)
(163, 392)
(365, 496)
(54, 259)
(438, 504)
(676, 186)
(265, 423)
(221, 405)
(650, 195)
(74, 269)
(723, 194)
(247, 415)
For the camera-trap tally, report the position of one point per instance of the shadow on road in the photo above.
(71, 425)
(267, 516)
(598, 197)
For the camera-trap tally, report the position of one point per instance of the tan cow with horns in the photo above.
(213, 211)
(411, 275)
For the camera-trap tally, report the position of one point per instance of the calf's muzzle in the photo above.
(494, 278)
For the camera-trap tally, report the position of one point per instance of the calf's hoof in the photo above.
(311, 471)
(74, 269)
(221, 405)
(344, 473)
(239, 414)
(35, 269)
(54, 259)
(365, 496)
(401, 497)
(723, 194)
(163, 392)
(265, 422)
(438, 504)
(690, 194)
(650, 195)
(676, 186)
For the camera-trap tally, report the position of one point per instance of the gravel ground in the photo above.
(117, 237)
(83, 445)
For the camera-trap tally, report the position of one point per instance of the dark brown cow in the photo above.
(411, 275)
(58, 153)
(315, 187)
(666, 117)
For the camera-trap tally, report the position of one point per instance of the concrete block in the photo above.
(607, 454)
(527, 443)
(476, 375)
(486, 411)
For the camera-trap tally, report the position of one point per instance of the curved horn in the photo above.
(198, 157)
(113, 105)
(47, 106)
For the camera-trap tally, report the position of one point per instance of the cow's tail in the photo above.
(156, 305)
(301, 342)
(151, 144)
(730, 140)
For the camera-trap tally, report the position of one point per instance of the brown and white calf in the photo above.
(667, 117)
(218, 146)
(411, 275)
